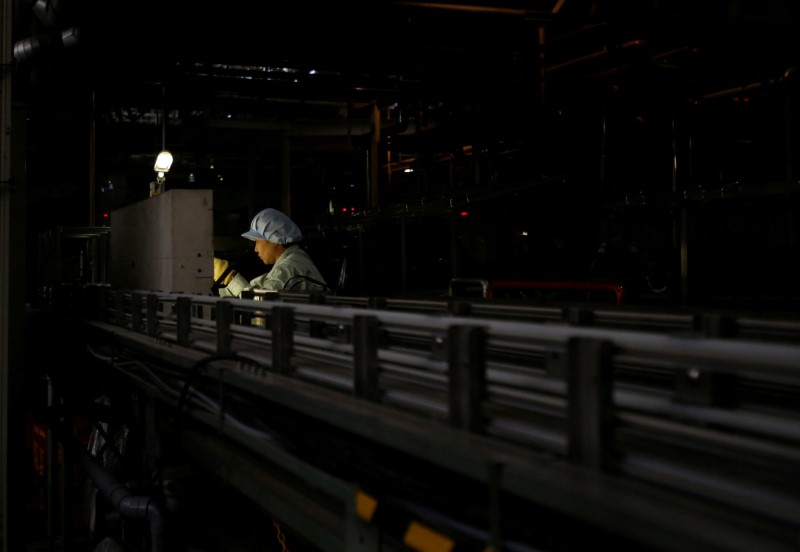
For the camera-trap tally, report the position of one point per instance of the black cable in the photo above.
(195, 369)
(304, 278)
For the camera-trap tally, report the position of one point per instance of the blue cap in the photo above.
(273, 226)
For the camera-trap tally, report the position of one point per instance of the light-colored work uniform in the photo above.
(291, 271)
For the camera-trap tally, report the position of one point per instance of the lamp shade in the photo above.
(163, 162)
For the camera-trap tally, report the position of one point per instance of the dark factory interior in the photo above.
(561, 247)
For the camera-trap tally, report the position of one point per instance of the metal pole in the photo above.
(374, 145)
(92, 165)
(5, 239)
(403, 256)
(286, 175)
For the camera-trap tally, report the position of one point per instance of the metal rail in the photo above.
(667, 439)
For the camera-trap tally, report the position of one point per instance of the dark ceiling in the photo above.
(237, 80)
(561, 116)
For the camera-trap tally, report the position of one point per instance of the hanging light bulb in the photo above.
(163, 163)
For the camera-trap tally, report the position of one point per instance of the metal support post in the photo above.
(152, 315)
(119, 308)
(467, 367)
(282, 325)
(224, 319)
(589, 373)
(183, 309)
(136, 312)
(366, 333)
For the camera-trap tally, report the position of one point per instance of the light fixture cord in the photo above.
(163, 117)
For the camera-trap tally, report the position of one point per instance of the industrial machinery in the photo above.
(350, 423)
(610, 189)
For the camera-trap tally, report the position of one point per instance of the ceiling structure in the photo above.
(316, 71)
(556, 116)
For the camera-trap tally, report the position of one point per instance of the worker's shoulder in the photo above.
(294, 254)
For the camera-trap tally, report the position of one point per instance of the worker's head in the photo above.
(272, 231)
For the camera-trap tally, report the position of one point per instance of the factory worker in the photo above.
(276, 239)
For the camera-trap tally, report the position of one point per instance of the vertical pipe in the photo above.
(403, 256)
(368, 178)
(163, 117)
(675, 184)
(52, 463)
(542, 71)
(361, 256)
(682, 222)
(454, 259)
(790, 111)
(286, 176)
(684, 231)
(5, 239)
(67, 498)
(603, 144)
(388, 166)
(92, 162)
(252, 183)
(56, 273)
(373, 156)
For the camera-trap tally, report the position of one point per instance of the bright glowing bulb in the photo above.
(163, 162)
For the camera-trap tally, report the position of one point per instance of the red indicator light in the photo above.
(464, 213)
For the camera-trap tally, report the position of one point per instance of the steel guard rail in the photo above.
(713, 420)
(489, 288)
(617, 289)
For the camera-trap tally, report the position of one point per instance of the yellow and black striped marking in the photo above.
(395, 521)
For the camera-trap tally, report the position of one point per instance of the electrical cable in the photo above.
(180, 389)
(158, 384)
(302, 279)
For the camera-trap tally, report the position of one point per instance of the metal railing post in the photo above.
(589, 412)
(467, 368)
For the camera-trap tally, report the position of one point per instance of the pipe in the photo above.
(118, 495)
(49, 11)
(28, 48)
(8, 282)
(466, 8)
(490, 8)
(636, 43)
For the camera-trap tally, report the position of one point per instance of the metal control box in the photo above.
(164, 243)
